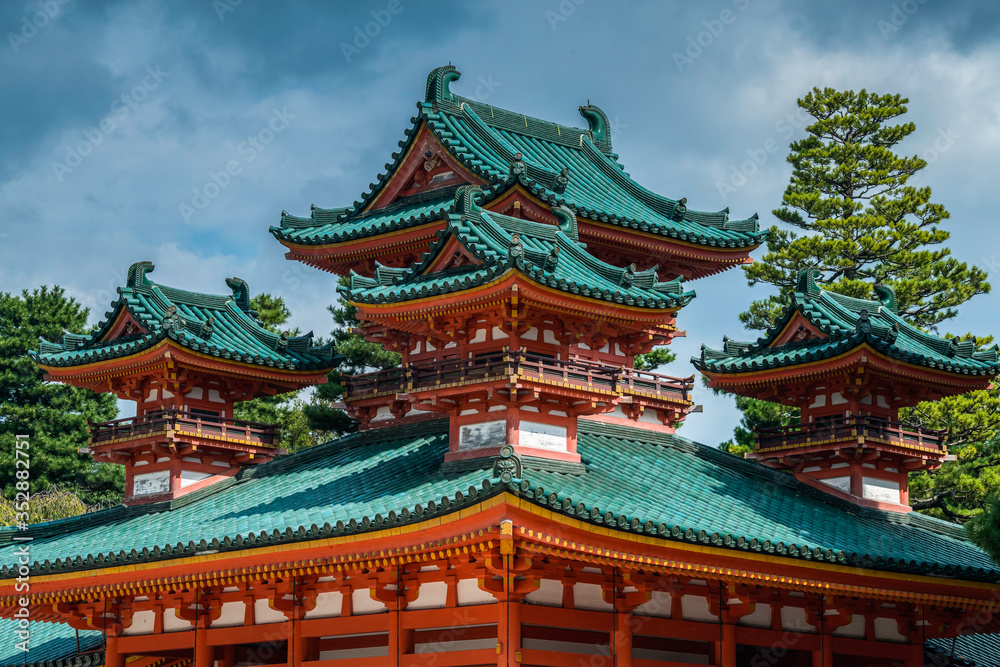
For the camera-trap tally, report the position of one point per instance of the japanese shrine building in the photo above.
(517, 492)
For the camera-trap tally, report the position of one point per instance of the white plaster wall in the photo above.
(469, 593)
(327, 605)
(430, 595)
(142, 623)
(171, 623)
(549, 593)
(233, 614)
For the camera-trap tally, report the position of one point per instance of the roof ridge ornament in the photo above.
(863, 325)
(561, 181)
(886, 296)
(172, 321)
(551, 260)
(515, 249)
(598, 124)
(507, 466)
(680, 209)
(207, 328)
(137, 273)
(566, 221)
(467, 199)
(241, 292)
(807, 281)
(628, 276)
(438, 82)
(518, 166)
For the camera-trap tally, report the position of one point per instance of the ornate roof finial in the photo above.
(566, 220)
(886, 296)
(137, 274)
(680, 209)
(807, 281)
(597, 121)
(863, 325)
(551, 260)
(241, 292)
(507, 466)
(467, 199)
(437, 84)
(628, 277)
(515, 249)
(517, 165)
(561, 181)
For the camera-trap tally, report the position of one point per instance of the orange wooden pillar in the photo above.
(112, 657)
(727, 649)
(622, 641)
(228, 656)
(204, 655)
(823, 656)
(298, 645)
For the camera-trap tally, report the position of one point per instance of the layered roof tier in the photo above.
(822, 328)
(541, 164)
(487, 258)
(218, 331)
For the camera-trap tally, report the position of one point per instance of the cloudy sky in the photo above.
(117, 114)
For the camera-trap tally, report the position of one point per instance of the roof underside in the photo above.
(221, 326)
(678, 489)
(846, 323)
(504, 147)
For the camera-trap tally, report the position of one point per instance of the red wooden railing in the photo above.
(184, 422)
(427, 374)
(866, 426)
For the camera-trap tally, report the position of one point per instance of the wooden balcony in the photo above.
(502, 364)
(854, 429)
(184, 423)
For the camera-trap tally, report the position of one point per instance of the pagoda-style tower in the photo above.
(185, 359)
(514, 330)
(849, 365)
(514, 254)
(525, 167)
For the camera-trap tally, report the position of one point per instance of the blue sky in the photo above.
(116, 115)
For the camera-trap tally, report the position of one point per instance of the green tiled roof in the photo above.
(561, 165)
(968, 651)
(548, 254)
(50, 645)
(323, 225)
(222, 326)
(848, 323)
(637, 480)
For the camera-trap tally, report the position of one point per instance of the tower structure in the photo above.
(185, 359)
(849, 365)
(518, 269)
(514, 330)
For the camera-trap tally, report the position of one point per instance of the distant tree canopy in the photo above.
(53, 416)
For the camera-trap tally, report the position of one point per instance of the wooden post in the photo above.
(228, 656)
(298, 645)
(728, 648)
(112, 658)
(204, 655)
(623, 641)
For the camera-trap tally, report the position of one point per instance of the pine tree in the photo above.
(852, 213)
(53, 416)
